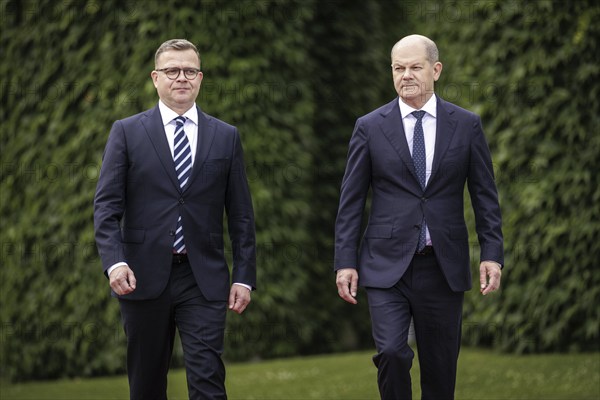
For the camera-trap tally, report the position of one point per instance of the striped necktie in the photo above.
(418, 155)
(182, 156)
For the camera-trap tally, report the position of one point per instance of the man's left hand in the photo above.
(239, 298)
(489, 270)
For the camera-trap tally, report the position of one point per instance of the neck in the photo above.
(180, 109)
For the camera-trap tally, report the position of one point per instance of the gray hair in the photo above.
(431, 50)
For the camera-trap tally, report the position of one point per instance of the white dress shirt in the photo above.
(190, 127)
(429, 131)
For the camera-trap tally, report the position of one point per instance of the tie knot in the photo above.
(180, 120)
(418, 114)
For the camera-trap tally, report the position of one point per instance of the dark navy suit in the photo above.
(137, 204)
(384, 253)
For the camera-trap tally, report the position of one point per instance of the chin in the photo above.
(409, 97)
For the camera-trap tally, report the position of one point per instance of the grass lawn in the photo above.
(482, 375)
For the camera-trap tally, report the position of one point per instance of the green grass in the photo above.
(482, 375)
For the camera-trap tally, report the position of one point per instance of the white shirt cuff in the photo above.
(115, 266)
(244, 285)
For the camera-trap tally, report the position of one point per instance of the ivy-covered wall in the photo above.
(293, 76)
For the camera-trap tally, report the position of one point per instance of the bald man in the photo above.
(416, 154)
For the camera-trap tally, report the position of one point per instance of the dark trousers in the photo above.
(150, 330)
(436, 310)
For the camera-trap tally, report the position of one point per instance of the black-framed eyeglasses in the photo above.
(173, 73)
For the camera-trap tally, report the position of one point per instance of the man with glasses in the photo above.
(168, 175)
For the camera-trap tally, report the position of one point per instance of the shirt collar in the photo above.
(430, 107)
(169, 115)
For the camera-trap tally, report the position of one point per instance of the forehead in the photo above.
(411, 53)
(172, 57)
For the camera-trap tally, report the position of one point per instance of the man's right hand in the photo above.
(122, 280)
(346, 280)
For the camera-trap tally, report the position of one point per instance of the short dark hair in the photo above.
(175, 44)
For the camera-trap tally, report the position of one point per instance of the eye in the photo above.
(191, 73)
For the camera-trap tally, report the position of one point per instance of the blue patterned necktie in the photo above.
(418, 155)
(182, 156)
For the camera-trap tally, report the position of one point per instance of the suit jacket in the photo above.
(138, 201)
(379, 159)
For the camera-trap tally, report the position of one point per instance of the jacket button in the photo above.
(181, 201)
(171, 233)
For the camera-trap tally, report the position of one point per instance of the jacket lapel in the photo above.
(155, 130)
(393, 129)
(445, 128)
(206, 135)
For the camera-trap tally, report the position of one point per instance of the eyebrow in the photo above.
(414, 64)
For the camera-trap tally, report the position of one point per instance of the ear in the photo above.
(437, 70)
(154, 76)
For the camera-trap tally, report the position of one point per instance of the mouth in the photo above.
(410, 87)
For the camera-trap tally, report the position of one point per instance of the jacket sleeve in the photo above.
(484, 198)
(240, 218)
(109, 200)
(353, 195)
